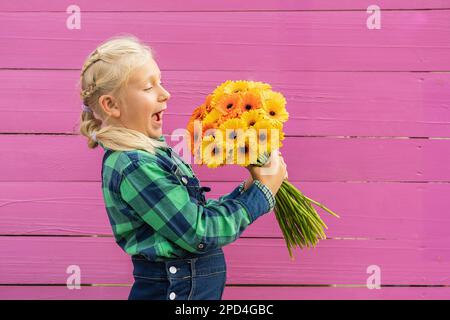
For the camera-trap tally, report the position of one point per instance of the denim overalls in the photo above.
(200, 277)
(193, 277)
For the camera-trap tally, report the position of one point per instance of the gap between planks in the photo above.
(287, 135)
(241, 285)
(231, 10)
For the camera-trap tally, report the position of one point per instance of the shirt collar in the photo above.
(161, 138)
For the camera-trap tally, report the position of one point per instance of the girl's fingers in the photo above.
(285, 167)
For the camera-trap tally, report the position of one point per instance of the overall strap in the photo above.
(176, 156)
(105, 157)
(169, 163)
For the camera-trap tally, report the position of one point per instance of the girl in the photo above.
(155, 204)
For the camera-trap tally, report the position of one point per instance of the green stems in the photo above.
(298, 220)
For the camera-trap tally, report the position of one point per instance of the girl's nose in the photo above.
(165, 95)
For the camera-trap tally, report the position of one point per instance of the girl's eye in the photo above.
(148, 89)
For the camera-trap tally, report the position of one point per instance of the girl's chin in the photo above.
(155, 129)
(155, 133)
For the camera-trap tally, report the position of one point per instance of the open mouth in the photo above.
(157, 117)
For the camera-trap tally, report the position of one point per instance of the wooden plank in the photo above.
(44, 260)
(205, 5)
(66, 158)
(304, 40)
(232, 293)
(63, 293)
(405, 211)
(328, 103)
(335, 293)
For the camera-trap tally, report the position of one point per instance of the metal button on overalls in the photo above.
(173, 270)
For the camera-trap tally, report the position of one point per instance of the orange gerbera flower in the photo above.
(190, 128)
(199, 112)
(211, 131)
(209, 128)
(230, 105)
(193, 135)
(208, 103)
(252, 100)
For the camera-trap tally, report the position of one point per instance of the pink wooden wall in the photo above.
(369, 136)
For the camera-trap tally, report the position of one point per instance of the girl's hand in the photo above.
(272, 174)
(248, 182)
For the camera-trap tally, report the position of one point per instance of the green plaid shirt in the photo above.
(152, 213)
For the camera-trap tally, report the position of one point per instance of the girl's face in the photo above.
(145, 100)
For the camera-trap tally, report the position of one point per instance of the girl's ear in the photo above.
(109, 106)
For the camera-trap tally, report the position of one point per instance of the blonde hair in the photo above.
(107, 71)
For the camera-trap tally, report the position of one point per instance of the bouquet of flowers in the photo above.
(241, 122)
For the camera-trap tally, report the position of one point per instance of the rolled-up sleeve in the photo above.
(157, 197)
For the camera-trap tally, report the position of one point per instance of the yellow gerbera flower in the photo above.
(232, 128)
(247, 153)
(213, 152)
(253, 116)
(237, 86)
(220, 91)
(274, 105)
(223, 87)
(237, 136)
(259, 85)
(270, 135)
(211, 117)
(230, 152)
